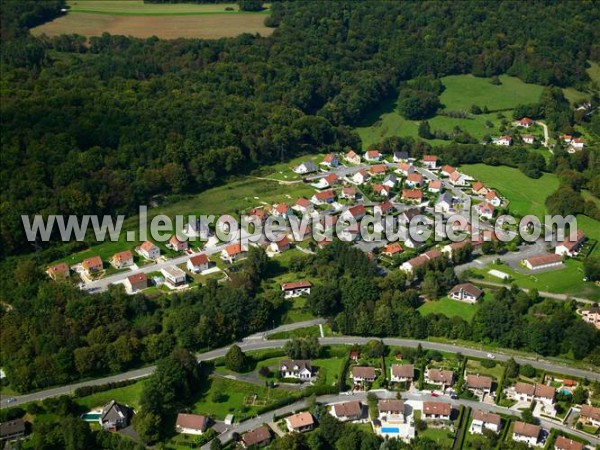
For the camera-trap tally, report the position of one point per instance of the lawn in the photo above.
(449, 308)
(591, 228)
(526, 195)
(329, 369)
(474, 367)
(442, 436)
(129, 395)
(138, 7)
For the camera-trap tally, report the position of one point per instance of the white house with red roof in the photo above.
(352, 157)
(414, 180)
(458, 179)
(485, 210)
(493, 198)
(392, 249)
(280, 246)
(303, 205)
(122, 259)
(577, 144)
(503, 140)
(528, 138)
(381, 190)
(177, 244)
(323, 197)
(296, 288)
(447, 170)
(330, 160)
(281, 210)
(571, 247)
(198, 263)
(430, 161)
(361, 177)
(434, 186)
(149, 251)
(348, 192)
(233, 252)
(405, 168)
(372, 156)
(525, 122)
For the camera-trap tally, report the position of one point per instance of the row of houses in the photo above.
(569, 247)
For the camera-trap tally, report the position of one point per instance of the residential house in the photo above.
(198, 263)
(348, 192)
(563, 443)
(378, 170)
(523, 392)
(259, 213)
(437, 410)
(372, 156)
(93, 264)
(493, 198)
(233, 252)
(526, 432)
(479, 384)
(12, 429)
(122, 259)
(149, 251)
(449, 250)
(409, 214)
(571, 247)
(58, 271)
(440, 377)
(177, 244)
(306, 167)
(528, 138)
(384, 207)
(356, 212)
(400, 157)
(447, 170)
(361, 177)
(577, 144)
(347, 411)
(354, 355)
(525, 122)
(479, 188)
(567, 138)
(115, 416)
(191, 424)
(458, 179)
(323, 197)
(414, 180)
(412, 195)
(503, 140)
(280, 246)
(330, 160)
(296, 288)
(543, 261)
(300, 369)
(303, 205)
(198, 228)
(174, 276)
(485, 210)
(465, 292)
(405, 169)
(281, 210)
(381, 189)
(402, 373)
(352, 157)
(330, 180)
(391, 411)
(483, 420)
(445, 203)
(590, 415)
(390, 180)
(410, 265)
(350, 232)
(430, 161)
(544, 393)
(392, 249)
(362, 374)
(136, 282)
(299, 423)
(592, 315)
(259, 437)
(434, 186)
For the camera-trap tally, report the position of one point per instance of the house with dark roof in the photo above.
(479, 385)
(437, 410)
(306, 167)
(402, 373)
(12, 429)
(483, 420)
(136, 282)
(259, 437)
(115, 416)
(546, 261)
(300, 369)
(362, 374)
(347, 411)
(465, 292)
(527, 433)
(391, 410)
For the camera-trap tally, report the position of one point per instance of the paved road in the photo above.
(541, 293)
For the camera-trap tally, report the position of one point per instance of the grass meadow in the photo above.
(449, 308)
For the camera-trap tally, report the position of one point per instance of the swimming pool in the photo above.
(565, 392)
(390, 430)
(91, 417)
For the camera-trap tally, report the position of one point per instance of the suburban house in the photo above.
(458, 179)
(198, 263)
(122, 259)
(563, 443)
(361, 177)
(384, 207)
(590, 415)
(281, 245)
(544, 393)
(503, 140)
(571, 247)
(391, 411)
(523, 392)
(347, 411)
(299, 423)
(526, 432)
(177, 244)
(93, 264)
(323, 197)
(12, 429)
(303, 205)
(115, 416)
(449, 250)
(299, 369)
(485, 210)
(420, 260)
(402, 373)
(392, 249)
(592, 315)
(479, 188)
(434, 186)
(430, 161)
(355, 212)
(440, 377)
(465, 292)
(354, 355)
(412, 195)
(174, 276)
(528, 138)
(362, 374)
(330, 160)
(348, 192)
(444, 203)
(58, 271)
(525, 122)
(136, 282)
(233, 253)
(191, 423)
(492, 198)
(296, 288)
(390, 180)
(329, 180)
(543, 261)
(259, 213)
(149, 251)
(576, 145)
(197, 228)
(372, 156)
(259, 437)
(352, 157)
(306, 167)
(479, 384)
(540, 392)
(414, 180)
(447, 170)
(483, 420)
(400, 157)
(405, 169)
(281, 210)
(381, 190)
(437, 410)
(378, 170)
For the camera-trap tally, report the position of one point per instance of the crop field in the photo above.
(166, 21)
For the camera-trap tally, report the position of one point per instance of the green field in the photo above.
(474, 367)
(526, 195)
(449, 308)
(443, 437)
(129, 395)
(461, 92)
(591, 228)
(139, 8)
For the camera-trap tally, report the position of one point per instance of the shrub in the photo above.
(527, 371)
(488, 363)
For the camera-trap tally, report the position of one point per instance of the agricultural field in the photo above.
(166, 21)
(449, 308)
(461, 92)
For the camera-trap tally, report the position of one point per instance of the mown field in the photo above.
(461, 92)
(449, 308)
(166, 21)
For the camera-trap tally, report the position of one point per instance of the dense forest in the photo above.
(102, 126)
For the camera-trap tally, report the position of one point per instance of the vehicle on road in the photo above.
(490, 356)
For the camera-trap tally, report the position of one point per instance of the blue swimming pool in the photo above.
(565, 392)
(91, 417)
(390, 430)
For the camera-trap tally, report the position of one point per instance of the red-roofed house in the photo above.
(281, 210)
(412, 195)
(356, 212)
(360, 177)
(381, 190)
(58, 271)
(323, 197)
(149, 251)
(178, 245)
(447, 170)
(384, 207)
(392, 249)
(493, 198)
(122, 259)
(525, 122)
(465, 292)
(348, 192)
(543, 261)
(303, 205)
(300, 422)
(430, 161)
(485, 210)
(377, 170)
(405, 168)
(136, 282)
(280, 246)
(503, 140)
(330, 160)
(434, 186)
(233, 252)
(191, 423)
(93, 264)
(437, 410)
(296, 288)
(372, 156)
(198, 263)
(563, 443)
(570, 247)
(352, 157)
(479, 188)
(414, 180)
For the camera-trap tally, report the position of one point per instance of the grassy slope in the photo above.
(135, 7)
(449, 308)
(129, 395)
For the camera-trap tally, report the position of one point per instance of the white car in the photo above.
(490, 356)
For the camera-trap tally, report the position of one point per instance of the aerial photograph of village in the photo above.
(300, 224)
